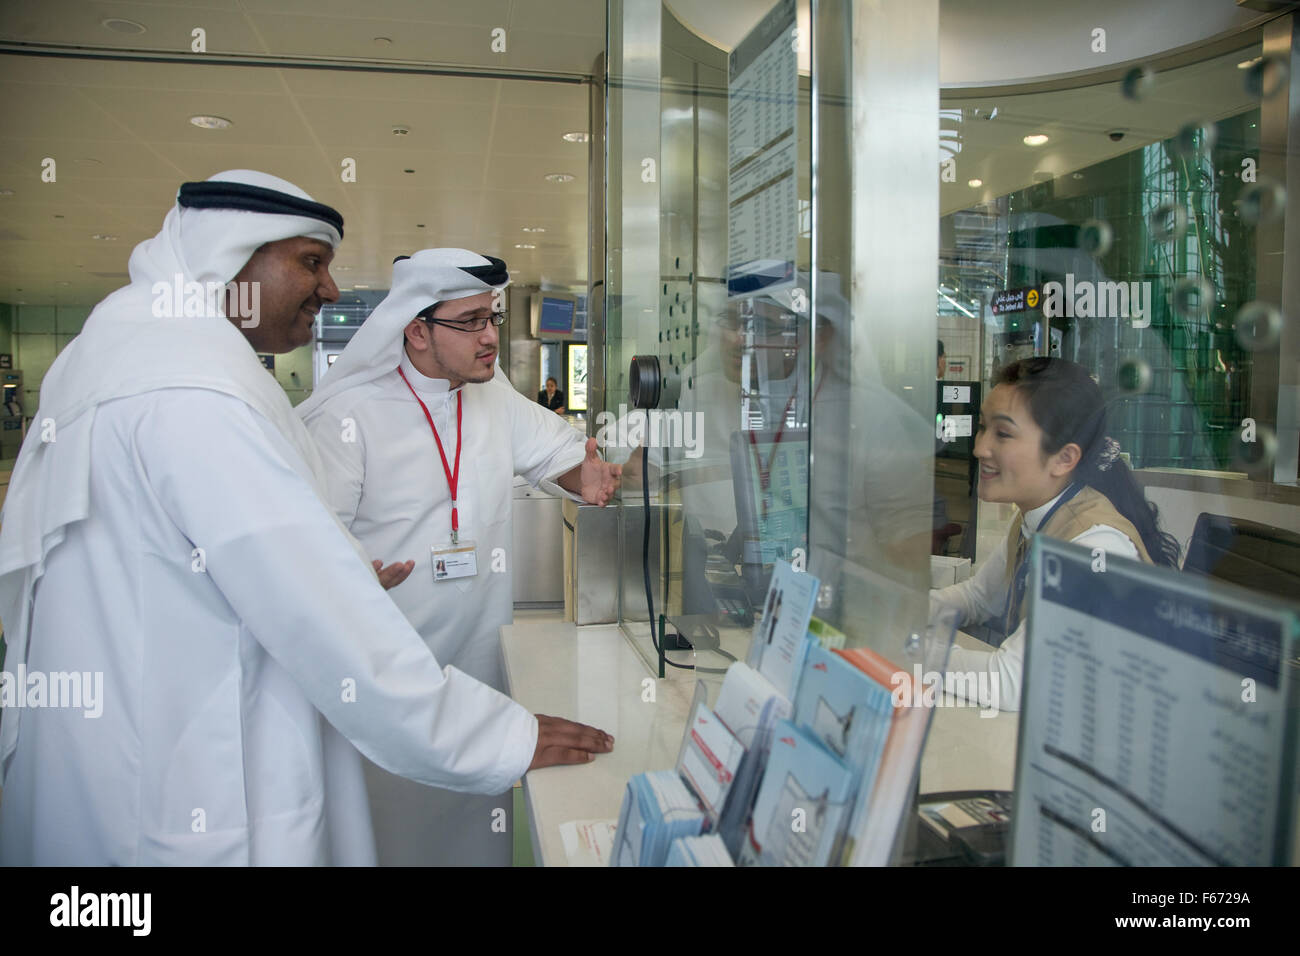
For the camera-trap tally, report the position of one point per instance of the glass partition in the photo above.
(1134, 227)
(792, 328)
(830, 317)
(726, 449)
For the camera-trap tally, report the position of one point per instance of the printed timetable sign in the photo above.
(762, 150)
(1159, 723)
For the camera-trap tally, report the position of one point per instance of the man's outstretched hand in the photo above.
(561, 741)
(595, 479)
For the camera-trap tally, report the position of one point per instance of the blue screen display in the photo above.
(557, 316)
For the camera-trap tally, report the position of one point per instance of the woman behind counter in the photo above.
(1042, 446)
(551, 397)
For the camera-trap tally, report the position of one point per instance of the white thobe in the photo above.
(386, 482)
(233, 624)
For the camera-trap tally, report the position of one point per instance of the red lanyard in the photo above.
(453, 476)
(765, 470)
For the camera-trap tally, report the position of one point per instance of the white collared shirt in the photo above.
(984, 596)
(386, 482)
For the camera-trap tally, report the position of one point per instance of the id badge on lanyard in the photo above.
(458, 559)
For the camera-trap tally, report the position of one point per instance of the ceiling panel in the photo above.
(346, 124)
(115, 160)
(308, 35)
(532, 131)
(512, 172)
(168, 26)
(580, 17)
(547, 95)
(164, 115)
(35, 112)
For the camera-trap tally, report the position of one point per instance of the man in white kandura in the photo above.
(165, 529)
(421, 445)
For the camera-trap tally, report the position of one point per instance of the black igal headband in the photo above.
(494, 273)
(223, 195)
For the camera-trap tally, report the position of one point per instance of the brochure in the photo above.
(657, 808)
(801, 803)
(781, 636)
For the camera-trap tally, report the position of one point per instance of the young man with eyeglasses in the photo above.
(421, 444)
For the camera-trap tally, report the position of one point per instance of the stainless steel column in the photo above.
(1275, 383)
(876, 228)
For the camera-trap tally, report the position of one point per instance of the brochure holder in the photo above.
(883, 818)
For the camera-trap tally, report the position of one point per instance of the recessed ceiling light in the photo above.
(577, 136)
(408, 170)
(64, 282)
(975, 183)
(1035, 139)
(534, 229)
(559, 178)
(1247, 64)
(6, 192)
(121, 25)
(361, 285)
(1076, 175)
(383, 41)
(211, 122)
(341, 268)
(524, 245)
(401, 130)
(104, 237)
(419, 225)
(58, 215)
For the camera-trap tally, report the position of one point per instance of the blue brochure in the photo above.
(845, 711)
(657, 809)
(801, 804)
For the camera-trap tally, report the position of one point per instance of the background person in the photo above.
(1042, 446)
(551, 397)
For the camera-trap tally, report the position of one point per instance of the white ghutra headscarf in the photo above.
(421, 280)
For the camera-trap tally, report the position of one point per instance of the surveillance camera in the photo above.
(1116, 135)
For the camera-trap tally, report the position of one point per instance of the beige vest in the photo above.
(1089, 507)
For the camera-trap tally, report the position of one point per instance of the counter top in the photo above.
(595, 676)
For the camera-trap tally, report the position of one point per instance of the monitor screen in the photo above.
(556, 316)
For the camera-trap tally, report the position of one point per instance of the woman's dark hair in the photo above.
(1069, 407)
(551, 378)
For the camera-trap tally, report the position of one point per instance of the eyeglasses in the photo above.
(476, 324)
